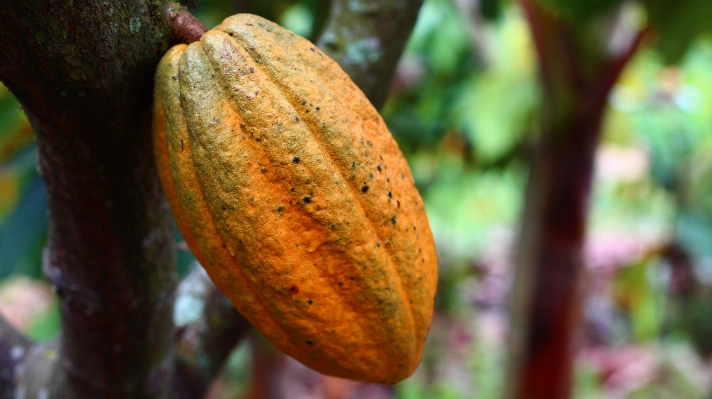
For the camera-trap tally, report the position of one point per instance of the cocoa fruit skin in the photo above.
(290, 190)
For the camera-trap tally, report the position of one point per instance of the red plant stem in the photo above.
(547, 293)
(267, 368)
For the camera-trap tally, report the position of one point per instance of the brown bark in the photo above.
(367, 38)
(83, 72)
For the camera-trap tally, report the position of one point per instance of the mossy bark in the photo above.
(367, 38)
(83, 72)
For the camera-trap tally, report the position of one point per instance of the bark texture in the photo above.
(13, 350)
(206, 340)
(83, 72)
(367, 38)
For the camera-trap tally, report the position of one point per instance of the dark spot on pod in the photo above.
(296, 118)
(402, 176)
(364, 189)
(341, 283)
(420, 278)
(212, 75)
(318, 108)
(398, 202)
(295, 160)
(304, 102)
(380, 301)
(306, 200)
(390, 194)
(252, 70)
(182, 144)
(309, 342)
(370, 175)
(352, 278)
(415, 228)
(248, 24)
(378, 244)
(223, 208)
(312, 49)
(294, 289)
(381, 157)
(224, 246)
(411, 301)
(310, 302)
(264, 170)
(378, 168)
(280, 208)
(257, 92)
(393, 220)
(388, 180)
(353, 165)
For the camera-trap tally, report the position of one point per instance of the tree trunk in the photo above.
(83, 72)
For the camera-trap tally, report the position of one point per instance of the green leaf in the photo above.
(677, 24)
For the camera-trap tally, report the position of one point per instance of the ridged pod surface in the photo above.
(292, 193)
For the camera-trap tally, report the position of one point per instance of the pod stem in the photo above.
(185, 27)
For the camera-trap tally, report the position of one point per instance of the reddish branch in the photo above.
(185, 28)
(548, 286)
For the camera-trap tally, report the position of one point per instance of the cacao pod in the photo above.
(290, 190)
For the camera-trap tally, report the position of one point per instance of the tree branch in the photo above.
(367, 37)
(13, 350)
(207, 327)
(185, 28)
(546, 304)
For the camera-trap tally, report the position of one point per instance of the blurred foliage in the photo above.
(463, 106)
(582, 8)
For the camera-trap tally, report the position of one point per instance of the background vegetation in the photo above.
(464, 106)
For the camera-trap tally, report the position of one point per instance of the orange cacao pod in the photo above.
(290, 190)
